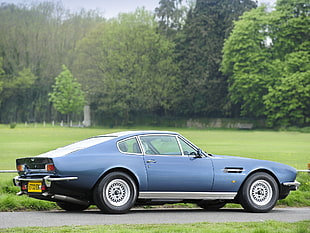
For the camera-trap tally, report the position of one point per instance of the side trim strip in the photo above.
(233, 170)
(188, 195)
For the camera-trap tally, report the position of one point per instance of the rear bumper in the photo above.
(46, 179)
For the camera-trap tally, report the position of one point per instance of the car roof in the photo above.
(92, 141)
(124, 134)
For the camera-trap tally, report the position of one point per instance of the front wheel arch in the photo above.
(264, 171)
(259, 192)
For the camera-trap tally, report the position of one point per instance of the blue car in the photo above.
(120, 170)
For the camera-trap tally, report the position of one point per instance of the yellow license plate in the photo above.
(34, 187)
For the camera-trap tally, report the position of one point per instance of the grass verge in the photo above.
(249, 227)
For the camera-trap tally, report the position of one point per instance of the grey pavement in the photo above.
(147, 216)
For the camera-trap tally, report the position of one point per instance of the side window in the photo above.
(129, 146)
(187, 149)
(160, 145)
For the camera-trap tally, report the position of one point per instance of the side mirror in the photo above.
(199, 154)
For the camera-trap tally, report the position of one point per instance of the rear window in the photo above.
(75, 147)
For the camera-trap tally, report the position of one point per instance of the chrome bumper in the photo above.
(47, 180)
(292, 185)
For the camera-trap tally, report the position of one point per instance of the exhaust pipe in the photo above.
(69, 199)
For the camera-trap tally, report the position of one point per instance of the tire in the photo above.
(211, 205)
(116, 193)
(259, 193)
(71, 206)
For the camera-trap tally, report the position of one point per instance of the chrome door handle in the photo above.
(151, 161)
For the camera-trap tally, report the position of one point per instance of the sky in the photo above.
(109, 8)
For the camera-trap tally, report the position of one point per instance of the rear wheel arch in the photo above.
(119, 169)
(115, 192)
(128, 172)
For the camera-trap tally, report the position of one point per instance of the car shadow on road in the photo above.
(158, 210)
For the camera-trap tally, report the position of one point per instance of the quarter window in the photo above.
(129, 146)
(187, 149)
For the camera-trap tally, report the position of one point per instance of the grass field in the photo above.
(292, 148)
(249, 227)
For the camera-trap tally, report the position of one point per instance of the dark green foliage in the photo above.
(288, 102)
(130, 70)
(172, 63)
(245, 61)
(267, 61)
(36, 38)
(171, 15)
(199, 50)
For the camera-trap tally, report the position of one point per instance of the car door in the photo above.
(172, 165)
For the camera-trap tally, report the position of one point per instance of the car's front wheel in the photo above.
(259, 193)
(116, 193)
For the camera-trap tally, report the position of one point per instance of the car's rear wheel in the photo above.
(71, 206)
(116, 193)
(259, 193)
(211, 205)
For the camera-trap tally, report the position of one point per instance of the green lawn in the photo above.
(249, 227)
(292, 148)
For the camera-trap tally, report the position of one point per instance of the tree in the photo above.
(288, 102)
(14, 90)
(40, 37)
(199, 51)
(67, 96)
(127, 68)
(267, 61)
(246, 61)
(1, 76)
(171, 16)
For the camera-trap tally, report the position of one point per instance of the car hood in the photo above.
(248, 165)
(247, 161)
(231, 157)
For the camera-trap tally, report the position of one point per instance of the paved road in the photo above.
(147, 216)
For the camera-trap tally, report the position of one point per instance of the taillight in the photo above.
(20, 168)
(50, 167)
(43, 187)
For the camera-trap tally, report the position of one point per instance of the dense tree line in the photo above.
(267, 61)
(207, 58)
(199, 52)
(36, 40)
